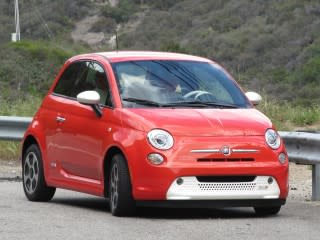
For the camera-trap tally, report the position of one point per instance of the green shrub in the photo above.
(172, 46)
(41, 50)
(311, 71)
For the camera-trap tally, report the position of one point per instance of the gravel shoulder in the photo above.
(300, 178)
(10, 170)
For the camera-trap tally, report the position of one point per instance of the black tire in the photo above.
(265, 211)
(121, 201)
(34, 185)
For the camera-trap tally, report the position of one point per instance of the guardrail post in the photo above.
(316, 182)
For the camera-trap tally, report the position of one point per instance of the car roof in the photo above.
(119, 56)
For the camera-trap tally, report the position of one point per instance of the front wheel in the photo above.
(265, 211)
(34, 185)
(120, 191)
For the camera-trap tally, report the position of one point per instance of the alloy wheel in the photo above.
(31, 172)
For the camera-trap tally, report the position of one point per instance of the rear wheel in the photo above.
(120, 192)
(34, 185)
(265, 211)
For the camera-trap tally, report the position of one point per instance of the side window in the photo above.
(68, 84)
(97, 81)
(84, 76)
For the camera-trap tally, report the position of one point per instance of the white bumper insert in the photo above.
(189, 188)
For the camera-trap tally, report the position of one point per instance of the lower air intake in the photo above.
(227, 186)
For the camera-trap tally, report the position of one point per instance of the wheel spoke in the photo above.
(26, 171)
(28, 184)
(28, 162)
(33, 185)
(31, 158)
(35, 171)
(36, 177)
(115, 200)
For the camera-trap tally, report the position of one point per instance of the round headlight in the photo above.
(272, 139)
(160, 139)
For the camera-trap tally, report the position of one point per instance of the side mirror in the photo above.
(254, 98)
(88, 98)
(91, 98)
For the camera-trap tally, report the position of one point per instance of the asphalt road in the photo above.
(78, 216)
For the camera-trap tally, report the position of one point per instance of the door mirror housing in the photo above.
(91, 98)
(88, 98)
(254, 98)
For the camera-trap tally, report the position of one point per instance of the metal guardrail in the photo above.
(302, 147)
(13, 128)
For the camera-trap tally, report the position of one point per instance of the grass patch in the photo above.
(287, 116)
(22, 107)
(9, 150)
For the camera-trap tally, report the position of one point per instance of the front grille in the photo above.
(225, 179)
(250, 186)
(225, 160)
(226, 183)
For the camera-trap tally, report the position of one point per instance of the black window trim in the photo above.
(75, 99)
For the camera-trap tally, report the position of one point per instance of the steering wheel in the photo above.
(197, 94)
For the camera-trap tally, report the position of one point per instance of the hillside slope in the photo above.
(269, 46)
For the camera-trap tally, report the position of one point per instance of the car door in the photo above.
(53, 115)
(80, 132)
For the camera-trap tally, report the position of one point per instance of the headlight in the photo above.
(272, 139)
(160, 139)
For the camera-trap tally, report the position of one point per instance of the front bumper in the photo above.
(150, 182)
(156, 183)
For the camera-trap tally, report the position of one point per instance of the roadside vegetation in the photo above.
(284, 115)
(289, 117)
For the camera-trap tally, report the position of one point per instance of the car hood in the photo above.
(198, 122)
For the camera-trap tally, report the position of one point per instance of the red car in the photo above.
(154, 129)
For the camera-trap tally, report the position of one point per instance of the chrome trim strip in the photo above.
(245, 150)
(205, 151)
(220, 151)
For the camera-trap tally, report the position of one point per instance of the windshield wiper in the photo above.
(202, 104)
(147, 102)
(142, 102)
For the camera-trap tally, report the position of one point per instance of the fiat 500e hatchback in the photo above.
(154, 129)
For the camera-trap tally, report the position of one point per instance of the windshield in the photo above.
(169, 83)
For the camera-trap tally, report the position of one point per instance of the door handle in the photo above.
(60, 119)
